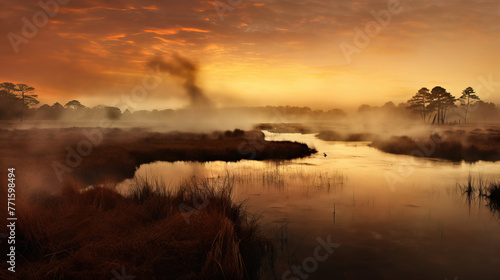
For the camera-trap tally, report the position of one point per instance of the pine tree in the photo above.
(468, 97)
(441, 100)
(419, 102)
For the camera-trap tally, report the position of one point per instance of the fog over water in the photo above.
(420, 223)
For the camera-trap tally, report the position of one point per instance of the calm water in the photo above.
(394, 216)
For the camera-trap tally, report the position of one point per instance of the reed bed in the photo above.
(194, 232)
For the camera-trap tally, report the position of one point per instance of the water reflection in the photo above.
(421, 227)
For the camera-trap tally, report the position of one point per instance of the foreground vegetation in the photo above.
(196, 232)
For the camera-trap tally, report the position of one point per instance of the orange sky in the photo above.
(262, 52)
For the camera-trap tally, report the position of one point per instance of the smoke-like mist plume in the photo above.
(187, 71)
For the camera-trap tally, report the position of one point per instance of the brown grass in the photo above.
(284, 128)
(329, 135)
(122, 151)
(454, 145)
(85, 235)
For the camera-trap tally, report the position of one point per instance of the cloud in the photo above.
(75, 52)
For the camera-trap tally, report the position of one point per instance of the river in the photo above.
(385, 216)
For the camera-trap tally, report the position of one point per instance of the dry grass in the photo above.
(86, 234)
(285, 175)
(284, 128)
(122, 151)
(454, 145)
(329, 135)
(481, 189)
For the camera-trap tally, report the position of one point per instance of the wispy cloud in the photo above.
(89, 37)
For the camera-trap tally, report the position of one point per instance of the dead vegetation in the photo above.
(455, 145)
(197, 232)
(120, 152)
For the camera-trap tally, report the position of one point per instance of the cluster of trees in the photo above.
(17, 101)
(75, 110)
(438, 103)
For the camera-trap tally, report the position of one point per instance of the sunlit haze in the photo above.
(266, 52)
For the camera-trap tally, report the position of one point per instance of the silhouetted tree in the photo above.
(441, 100)
(74, 105)
(50, 112)
(45, 107)
(44, 112)
(8, 88)
(57, 110)
(27, 97)
(57, 106)
(126, 113)
(8, 101)
(113, 113)
(364, 108)
(468, 97)
(389, 106)
(14, 98)
(420, 101)
(485, 111)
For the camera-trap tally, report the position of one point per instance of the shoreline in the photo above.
(454, 145)
(54, 156)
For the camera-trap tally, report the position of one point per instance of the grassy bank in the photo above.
(91, 155)
(454, 145)
(330, 135)
(284, 128)
(197, 232)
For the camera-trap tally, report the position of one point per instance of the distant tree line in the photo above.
(17, 101)
(437, 106)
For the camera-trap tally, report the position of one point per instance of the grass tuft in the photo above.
(195, 232)
(483, 190)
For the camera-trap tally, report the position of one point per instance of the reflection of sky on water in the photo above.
(420, 227)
